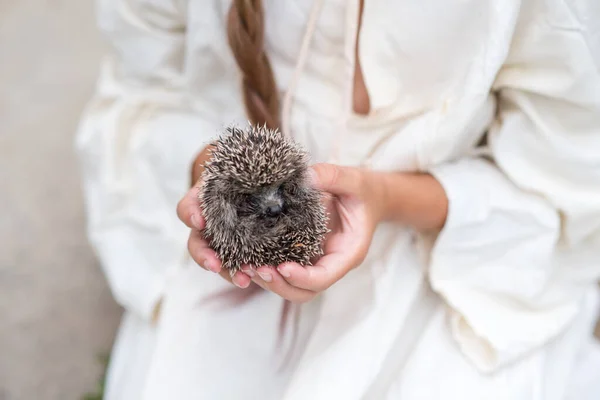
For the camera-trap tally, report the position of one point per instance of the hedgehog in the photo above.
(258, 204)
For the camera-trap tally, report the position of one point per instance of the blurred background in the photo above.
(57, 316)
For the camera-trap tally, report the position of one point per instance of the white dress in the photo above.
(498, 305)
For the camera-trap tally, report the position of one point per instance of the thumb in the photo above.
(335, 179)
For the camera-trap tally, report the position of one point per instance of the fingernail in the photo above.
(240, 286)
(265, 276)
(196, 222)
(210, 265)
(284, 272)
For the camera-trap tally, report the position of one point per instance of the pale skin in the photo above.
(359, 201)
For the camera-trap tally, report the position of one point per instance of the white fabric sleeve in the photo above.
(521, 244)
(136, 141)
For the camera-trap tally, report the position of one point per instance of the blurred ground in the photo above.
(56, 314)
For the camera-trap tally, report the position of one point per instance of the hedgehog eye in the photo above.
(247, 205)
(247, 200)
(251, 199)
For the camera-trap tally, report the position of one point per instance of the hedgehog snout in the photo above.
(274, 210)
(273, 203)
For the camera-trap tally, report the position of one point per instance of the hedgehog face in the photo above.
(258, 207)
(268, 203)
(269, 209)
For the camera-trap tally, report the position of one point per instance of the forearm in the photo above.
(415, 199)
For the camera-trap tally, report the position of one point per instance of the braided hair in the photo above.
(246, 33)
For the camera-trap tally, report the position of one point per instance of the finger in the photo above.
(188, 209)
(328, 270)
(335, 179)
(202, 253)
(248, 270)
(268, 278)
(239, 279)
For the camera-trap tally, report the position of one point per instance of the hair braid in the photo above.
(246, 32)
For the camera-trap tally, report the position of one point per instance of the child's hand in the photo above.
(355, 210)
(189, 212)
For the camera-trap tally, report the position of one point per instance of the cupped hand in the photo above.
(353, 201)
(190, 213)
